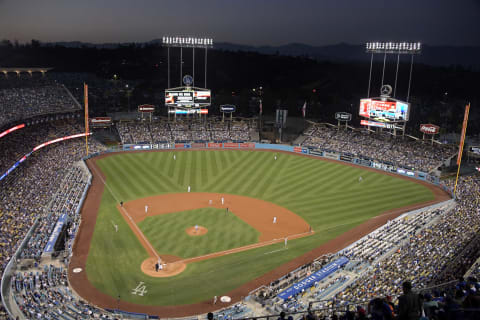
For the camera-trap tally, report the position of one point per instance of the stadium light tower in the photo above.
(398, 48)
(187, 42)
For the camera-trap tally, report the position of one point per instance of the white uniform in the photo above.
(223, 200)
(146, 209)
(274, 219)
(174, 157)
(196, 228)
(116, 228)
(275, 157)
(285, 242)
(209, 201)
(360, 179)
(188, 188)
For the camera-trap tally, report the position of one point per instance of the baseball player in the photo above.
(274, 219)
(360, 179)
(223, 200)
(146, 209)
(196, 228)
(174, 157)
(188, 188)
(275, 157)
(210, 202)
(286, 242)
(215, 300)
(116, 228)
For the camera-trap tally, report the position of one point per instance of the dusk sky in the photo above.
(263, 22)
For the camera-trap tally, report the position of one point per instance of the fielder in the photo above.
(215, 300)
(146, 209)
(223, 200)
(274, 219)
(210, 202)
(116, 228)
(275, 157)
(174, 157)
(286, 242)
(360, 179)
(188, 188)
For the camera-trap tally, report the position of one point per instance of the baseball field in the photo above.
(237, 245)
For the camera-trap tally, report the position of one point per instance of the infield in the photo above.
(327, 195)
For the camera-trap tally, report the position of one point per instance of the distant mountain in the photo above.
(465, 56)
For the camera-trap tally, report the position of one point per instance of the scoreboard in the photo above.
(384, 111)
(187, 98)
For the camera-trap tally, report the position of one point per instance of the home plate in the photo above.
(225, 299)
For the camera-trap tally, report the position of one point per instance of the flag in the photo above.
(261, 109)
(304, 109)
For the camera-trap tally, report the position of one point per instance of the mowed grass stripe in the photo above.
(302, 178)
(243, 183)
(181, 168)
(230, 173)
(225, 181)
(262, 189)
(119, 180)
(212, 164)
(204, 168)
(156, 181)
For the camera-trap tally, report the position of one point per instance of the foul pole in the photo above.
(460, 147)
(85, 92)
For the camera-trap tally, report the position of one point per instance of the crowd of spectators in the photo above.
(399, 152)
(27, 96)
(26, 191)
(183, 131)
(44, 294)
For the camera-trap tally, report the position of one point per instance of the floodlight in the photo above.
(394, 47)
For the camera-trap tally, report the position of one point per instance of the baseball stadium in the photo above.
(185, 209)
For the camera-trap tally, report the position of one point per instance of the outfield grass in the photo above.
(167, 234)
(327, 195)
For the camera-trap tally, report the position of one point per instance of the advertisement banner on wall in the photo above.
(214, 145)
(331, 155)
(247, 145)
(230, 145)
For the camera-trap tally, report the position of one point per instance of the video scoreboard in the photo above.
(384, 111)
(187, 98)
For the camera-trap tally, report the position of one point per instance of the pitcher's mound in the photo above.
(170, 269)
(199, 232)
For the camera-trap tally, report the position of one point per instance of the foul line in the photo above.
(245, 248)
(126, 213)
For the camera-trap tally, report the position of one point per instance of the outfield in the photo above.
(326, 194)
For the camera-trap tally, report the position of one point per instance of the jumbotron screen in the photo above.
(187, 99)
(384, 111)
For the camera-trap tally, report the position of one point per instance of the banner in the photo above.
(230, 145)
(315, 277)
(198, 145)
(248, 145)
(214, 145)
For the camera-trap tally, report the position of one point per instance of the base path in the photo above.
(87, 291)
